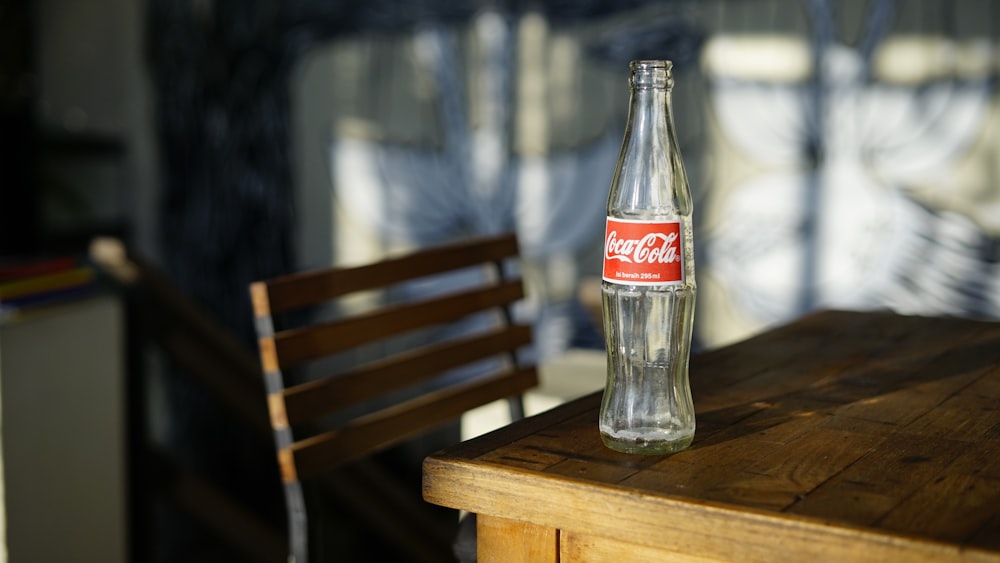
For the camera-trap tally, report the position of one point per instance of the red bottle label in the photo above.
(643, 252)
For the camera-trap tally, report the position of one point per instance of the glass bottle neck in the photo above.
(649, 106)
(649, 120)
(649, 179)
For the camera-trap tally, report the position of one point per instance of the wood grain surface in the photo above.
(842, 436)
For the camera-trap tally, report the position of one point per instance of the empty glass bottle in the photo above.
(648, 286)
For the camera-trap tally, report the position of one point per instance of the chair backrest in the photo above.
(397, 370)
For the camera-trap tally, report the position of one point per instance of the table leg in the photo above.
(500, 540)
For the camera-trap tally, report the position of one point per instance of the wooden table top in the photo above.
(844, 435)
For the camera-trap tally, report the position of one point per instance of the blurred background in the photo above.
(842, 153)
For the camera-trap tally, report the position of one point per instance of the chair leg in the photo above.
(298, 533)
(516, 405)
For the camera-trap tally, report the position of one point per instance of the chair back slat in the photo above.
(383, 428)
(309, 401)
(294, 346)
(303, 289)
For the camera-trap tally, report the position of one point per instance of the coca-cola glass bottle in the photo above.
(648, 287)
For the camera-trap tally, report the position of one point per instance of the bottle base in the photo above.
(643, 446)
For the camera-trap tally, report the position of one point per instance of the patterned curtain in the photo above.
(852, 174)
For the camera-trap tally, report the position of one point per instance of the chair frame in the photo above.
(297, 405)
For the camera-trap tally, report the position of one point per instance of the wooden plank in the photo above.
(867, 490)
(777, 420)
(965, 496)
(837, 354)
(583, 548)
(579, 437)
(987, 537)
(396, 423)
(295, 346)
(591, 471)
(529, 427)
(968, 414)
(524, 456)
(963, 504)
(784, 474)
(902, 402)
(314, 399)
(307, 288)
(701, 469)
(500, 540)
(713, 462)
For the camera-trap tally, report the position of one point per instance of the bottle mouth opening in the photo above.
(652, 74)
(651, 64)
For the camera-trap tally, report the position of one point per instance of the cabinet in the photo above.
(62, 426)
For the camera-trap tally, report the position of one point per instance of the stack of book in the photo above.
(34, 285)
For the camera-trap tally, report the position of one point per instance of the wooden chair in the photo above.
(368, 403)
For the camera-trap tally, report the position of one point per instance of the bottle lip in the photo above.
(650, 64)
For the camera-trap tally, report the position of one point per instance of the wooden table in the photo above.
(840, 437)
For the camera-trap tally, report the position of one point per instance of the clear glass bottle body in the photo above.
(647, 406)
